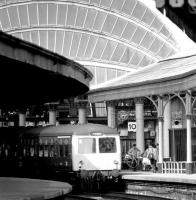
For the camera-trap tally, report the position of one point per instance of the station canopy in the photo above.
(109, 37)
(174, 74)
(31, 75)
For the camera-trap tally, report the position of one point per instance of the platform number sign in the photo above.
(132, 126)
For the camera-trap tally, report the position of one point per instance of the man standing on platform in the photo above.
(151, 154)
(134, 152)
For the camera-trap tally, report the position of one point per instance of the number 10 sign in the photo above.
(132, 126)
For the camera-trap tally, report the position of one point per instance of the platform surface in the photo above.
(159, 177)
(31, 189)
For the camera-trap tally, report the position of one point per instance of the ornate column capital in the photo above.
(189, 116)
(139, 100)
(52, 106)
(82, 104)
(22, 110)
(160, 118)
(111, 103)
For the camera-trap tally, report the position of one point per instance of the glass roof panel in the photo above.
(26, 36)
(32, 8)
(92, 69)
(164, 31)
(42, 9)
(164, 51)
(111, 74)
(118, 52)
(156, 24)
(101, 74)
(147, 40)
(82, 45)
(111, 45)
(75, 44)
(100, 18)
(148, 17)
(59, 41)
(52, 13)
(117, 5)
(3, 1)
(90, 47)
(82, 12)
(139, 10)
(95, 2)
(136, 58)
(127, 55)
(62, 13)
(67, 43)
(51, 40)
(18, 35)
(90, 19)
(23, 15)
(119, 27)
(109, 23)
(172, 52)
(138, 35)
(172, 40)
(156, 45)
(128, 6)
(4, 19)
(71, 14)
(35, 37)
(13, 17)
(105, 3)
(145, 61)
(101, 43)
(129, 31)
(43, 38)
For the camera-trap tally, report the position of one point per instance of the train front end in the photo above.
(97, 152)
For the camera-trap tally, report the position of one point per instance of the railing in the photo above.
(174, 167)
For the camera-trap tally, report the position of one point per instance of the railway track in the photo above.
(110, 196)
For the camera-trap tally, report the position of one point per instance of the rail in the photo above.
(111, 196)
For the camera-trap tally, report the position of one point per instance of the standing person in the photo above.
(151, 154)
(134, 152)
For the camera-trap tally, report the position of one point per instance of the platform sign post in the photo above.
(132, 127)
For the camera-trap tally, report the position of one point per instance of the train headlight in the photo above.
(80, 164)
(115, 162)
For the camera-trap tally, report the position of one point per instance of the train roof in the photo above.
(68, 129)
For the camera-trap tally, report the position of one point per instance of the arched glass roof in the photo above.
(109, 37)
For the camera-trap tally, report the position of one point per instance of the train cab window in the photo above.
(107, 145)
(86, 145)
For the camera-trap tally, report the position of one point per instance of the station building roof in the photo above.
(175, 74)
(109, 37)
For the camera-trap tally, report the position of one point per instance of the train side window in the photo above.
(86, 145)
(41, 148)
(107, 145)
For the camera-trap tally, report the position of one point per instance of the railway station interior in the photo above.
(130, 65)
(127, 64)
